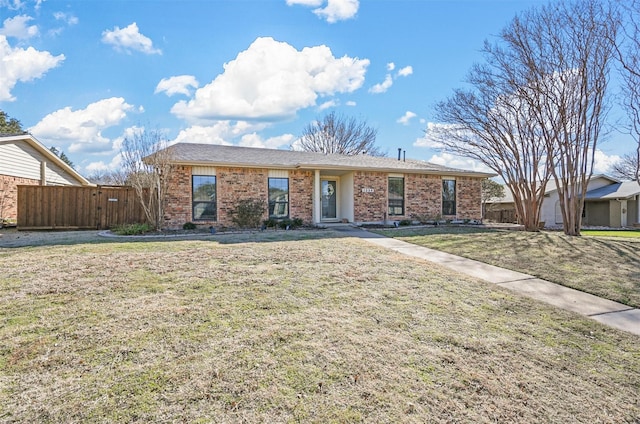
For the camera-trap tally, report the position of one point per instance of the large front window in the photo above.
(204, 198)
(278, 198)
(396, 196)
(448, 197)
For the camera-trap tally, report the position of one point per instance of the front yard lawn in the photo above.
(603, 266)
(319, 329)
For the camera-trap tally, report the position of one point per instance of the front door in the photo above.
(329, 199)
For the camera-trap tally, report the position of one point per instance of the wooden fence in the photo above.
(502, 215)
(74, 207)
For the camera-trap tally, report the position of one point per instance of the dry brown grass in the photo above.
(604, 266)
(261, 329)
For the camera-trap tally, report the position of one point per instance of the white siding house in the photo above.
(26, 161)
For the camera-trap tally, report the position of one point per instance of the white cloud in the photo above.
(327, 105)
(404, 120)
(181, 84)
(452, 161)
(17, 27)
(338, 10)
(603, 162)
(272, 80)
(82, 129)
(383, 86)
(66, 18)
(255, 140)
(334, 11)
(22, 65)
(406, 71)
(351, 103)
(391, 66)
(431, 137)
(310, 3)
(129, 39)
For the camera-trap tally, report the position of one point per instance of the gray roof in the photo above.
(213, 154)
(623, 190)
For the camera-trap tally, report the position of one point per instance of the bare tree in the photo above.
(494, 126)
(147, 164)
(538, 105)
(626, 168)
(567, 49)
(628, 52)
(108, 177)
(339, 134)
(490, 191)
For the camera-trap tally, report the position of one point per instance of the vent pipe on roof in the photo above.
(399, 152)
(404, 156)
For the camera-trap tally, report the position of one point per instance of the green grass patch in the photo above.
(611, 233)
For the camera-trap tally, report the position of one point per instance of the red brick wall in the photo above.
(178, 200)
(370, 205)
(423, 195)
(301, 195)
(468, 198)
(9, 194)
(235, 184)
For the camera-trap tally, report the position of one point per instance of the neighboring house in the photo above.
(609, 202)
(208, 180)
(26, 161)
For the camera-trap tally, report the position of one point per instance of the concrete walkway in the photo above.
(610, 313)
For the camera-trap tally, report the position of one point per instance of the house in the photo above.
(26, 161)
(207, 181)
(609, 202)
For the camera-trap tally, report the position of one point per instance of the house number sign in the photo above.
(367, 190)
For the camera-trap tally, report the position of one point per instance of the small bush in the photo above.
(248, 213)
(131, 229)
(269, 223)
(405, 222)
(188, 226)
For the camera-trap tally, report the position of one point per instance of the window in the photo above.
(448, 197)
(278, 198)
(396, 196)
(204, 198)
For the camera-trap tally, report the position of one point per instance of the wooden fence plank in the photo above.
(74, 207)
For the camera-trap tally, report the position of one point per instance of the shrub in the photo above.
(188, 226)
(248, 213)
(405, 222)
(131, 229)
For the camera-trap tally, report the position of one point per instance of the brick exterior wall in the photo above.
(371, 204)
(177, 208)
(423, 195)
(9, 194)
(233, 184)
(301, 195)
(468, 198)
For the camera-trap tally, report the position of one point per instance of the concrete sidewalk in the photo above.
(610, 313)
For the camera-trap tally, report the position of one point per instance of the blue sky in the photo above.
(81, 75)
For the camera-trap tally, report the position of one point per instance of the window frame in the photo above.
(208, 204)
(273, 204)
(449, 205)
(395, 203)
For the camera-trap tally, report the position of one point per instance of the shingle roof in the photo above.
(211, 154)
(623, 190)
